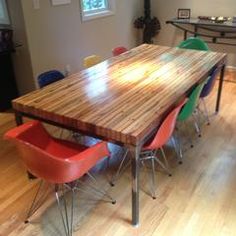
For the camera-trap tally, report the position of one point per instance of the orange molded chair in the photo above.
(91, 60)
(164, 133)
(119, 50)
(55, 161)
(166, 129)
(149, 150)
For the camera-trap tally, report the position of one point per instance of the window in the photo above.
(4, 18)
(91, 9)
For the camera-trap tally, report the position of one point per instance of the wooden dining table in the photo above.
(123, 99)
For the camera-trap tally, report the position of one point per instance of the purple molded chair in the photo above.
(207, 90)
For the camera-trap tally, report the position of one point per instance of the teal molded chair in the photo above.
(194, 43)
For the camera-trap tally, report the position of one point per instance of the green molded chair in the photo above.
(199, 44)
(191, 105)
(189, 110)
(194, 43)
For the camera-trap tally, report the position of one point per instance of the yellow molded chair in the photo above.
(91, 60)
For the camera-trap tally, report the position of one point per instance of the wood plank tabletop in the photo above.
(124, 97)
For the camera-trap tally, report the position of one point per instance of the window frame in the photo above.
(94, 14)
(6, 18)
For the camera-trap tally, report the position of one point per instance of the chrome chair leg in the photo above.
(72, 209)
(152, 155)
(152, 173)
(67, 223)
(117, 174)
(97, 187)
(166, 162)
(178, 143)
(196, 124)
(155, 157)
(37, 201)
(178, 148)
(188, 134)
(163, 166)
(206, 113)
(78, 137)
(153, 179)
(61, 133)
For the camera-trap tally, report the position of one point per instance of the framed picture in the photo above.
(184, 13)
(60, 2)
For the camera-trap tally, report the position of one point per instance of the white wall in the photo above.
(167, 9)
(57, 37)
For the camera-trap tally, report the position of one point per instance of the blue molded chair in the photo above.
(210, 84)
(207, 90)
(49, 77)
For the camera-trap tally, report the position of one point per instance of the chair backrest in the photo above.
(166, 129)
(119, 50)
(199, 44)
(210, 84)
(194, 43)
(53, 160)
(49, 77)
(91, 60)
(190, 106)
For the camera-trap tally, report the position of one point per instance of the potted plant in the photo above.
(150, 26)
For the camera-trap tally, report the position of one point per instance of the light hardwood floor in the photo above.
(199, 199)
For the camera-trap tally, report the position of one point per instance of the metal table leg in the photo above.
(18, 118)
(220, 88)
(135, 185)
(185, 34)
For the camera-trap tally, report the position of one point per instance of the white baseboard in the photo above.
(231, 67)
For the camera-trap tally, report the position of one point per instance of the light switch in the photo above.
(36, 4)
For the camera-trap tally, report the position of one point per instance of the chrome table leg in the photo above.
(222, 73)
(135, 151)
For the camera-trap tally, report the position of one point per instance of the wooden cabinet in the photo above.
(8, 89)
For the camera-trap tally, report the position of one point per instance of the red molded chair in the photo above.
(149, 150)
(56, 161)
(119, 50)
